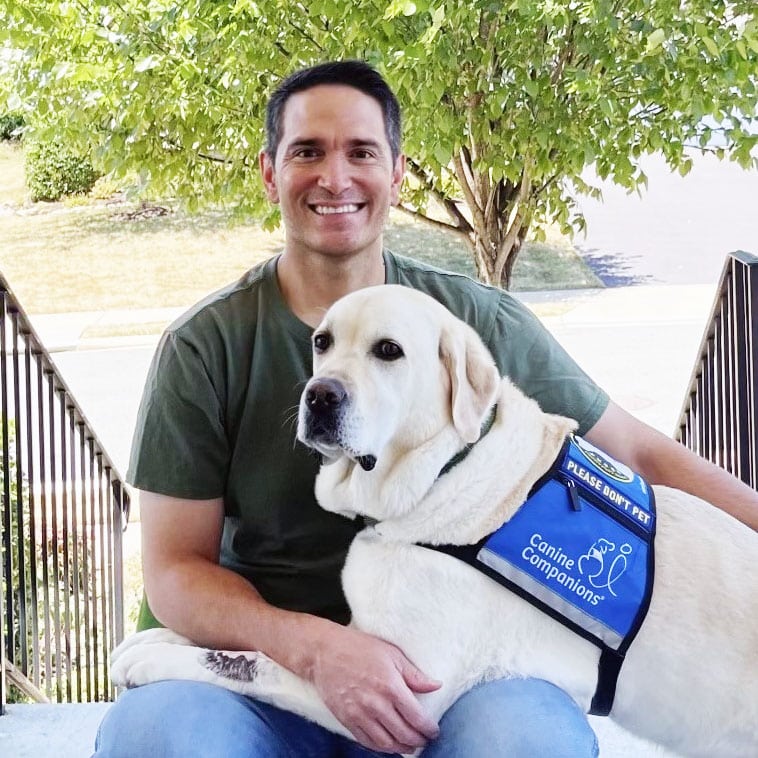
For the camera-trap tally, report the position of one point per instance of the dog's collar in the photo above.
(460, 455)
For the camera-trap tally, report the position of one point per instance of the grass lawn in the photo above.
(61, 257)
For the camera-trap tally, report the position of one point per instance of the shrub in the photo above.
(104, 189)
(11, 125)
(54, 170)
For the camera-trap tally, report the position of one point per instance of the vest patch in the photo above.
(581, 543)
(580, 549)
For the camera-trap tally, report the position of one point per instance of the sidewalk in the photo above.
(639, 343)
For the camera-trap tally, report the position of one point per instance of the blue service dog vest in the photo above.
(581, 549)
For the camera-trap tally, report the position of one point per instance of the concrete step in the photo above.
(65, 730)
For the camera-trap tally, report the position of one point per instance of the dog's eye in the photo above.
(387, 350)
(322, 341)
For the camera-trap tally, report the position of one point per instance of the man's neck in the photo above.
(311, 284)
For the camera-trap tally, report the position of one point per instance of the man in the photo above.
(237, 554)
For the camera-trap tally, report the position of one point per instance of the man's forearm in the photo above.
(689, 472)
(661, 460)
(215, 607)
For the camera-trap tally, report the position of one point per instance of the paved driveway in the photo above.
(678, 231)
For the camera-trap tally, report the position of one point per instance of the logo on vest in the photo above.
(592, 564)
(609, 466)
(594, 567)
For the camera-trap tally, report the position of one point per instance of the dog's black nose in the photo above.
(324, 396)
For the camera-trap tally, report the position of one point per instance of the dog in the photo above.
(400, 388)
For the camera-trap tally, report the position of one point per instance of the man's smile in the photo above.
(328, 210)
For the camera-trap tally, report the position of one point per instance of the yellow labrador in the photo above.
(400, 387)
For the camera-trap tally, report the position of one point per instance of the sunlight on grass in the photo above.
(83, 259)
(553, 264)
(12, 179)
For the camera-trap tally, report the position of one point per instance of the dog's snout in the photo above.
(324, 396)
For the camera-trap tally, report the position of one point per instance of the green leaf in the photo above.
(655, 40)
(711, 46)
(146, 63)
(442, 154)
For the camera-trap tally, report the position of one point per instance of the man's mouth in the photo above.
(331, 210)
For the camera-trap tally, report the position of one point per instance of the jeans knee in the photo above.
(520, 718)
(175, 719)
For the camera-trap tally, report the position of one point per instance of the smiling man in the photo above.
(236, 552)
(335, 174)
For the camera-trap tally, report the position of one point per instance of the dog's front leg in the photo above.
(158, 654)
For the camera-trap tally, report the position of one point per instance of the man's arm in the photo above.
(662, 460)
(367, 683)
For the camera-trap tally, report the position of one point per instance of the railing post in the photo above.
(718, 417)
(6, 574)
(3, 685)
(752, 318)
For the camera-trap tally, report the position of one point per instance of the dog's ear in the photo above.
(474, 378)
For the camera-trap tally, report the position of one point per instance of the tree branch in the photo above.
(463, 171)
(565, 57)
(433, 222)
(447, 202)
(303, 33)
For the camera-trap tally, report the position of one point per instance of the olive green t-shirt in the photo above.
(219, 413)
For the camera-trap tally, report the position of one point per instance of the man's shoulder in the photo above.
(235, 303)
(473, 301)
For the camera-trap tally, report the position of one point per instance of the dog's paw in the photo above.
(153, 661)
(149, 637)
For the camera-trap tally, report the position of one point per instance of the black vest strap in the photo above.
(608, 670)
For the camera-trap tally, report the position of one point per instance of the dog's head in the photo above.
(392, 368)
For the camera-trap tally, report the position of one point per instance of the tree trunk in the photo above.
(500, 214)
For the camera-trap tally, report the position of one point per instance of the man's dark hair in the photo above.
(351, 73)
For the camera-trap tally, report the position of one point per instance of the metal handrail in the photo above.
(718, 417)
(62, 511)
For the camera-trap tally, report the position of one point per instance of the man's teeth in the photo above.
(326, 210)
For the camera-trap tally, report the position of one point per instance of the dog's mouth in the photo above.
(330, 448)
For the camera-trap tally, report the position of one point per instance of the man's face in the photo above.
(333, 172)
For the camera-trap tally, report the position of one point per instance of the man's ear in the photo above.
(474, 378)
(269, 176)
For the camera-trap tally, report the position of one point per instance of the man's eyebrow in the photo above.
(352, 143)
(365, 143)
(302, 143)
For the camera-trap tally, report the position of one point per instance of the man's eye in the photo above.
(363, 154)
(322, 341)
(387, 350)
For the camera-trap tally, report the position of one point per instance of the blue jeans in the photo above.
(518, 718)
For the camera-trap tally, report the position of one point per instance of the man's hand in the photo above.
(369, 685)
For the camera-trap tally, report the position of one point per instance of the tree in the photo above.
(506, 103)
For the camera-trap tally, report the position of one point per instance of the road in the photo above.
(678, 231)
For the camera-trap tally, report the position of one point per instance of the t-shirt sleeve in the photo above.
(534, 360)
(180, 447)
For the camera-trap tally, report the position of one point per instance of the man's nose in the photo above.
(335, 174)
